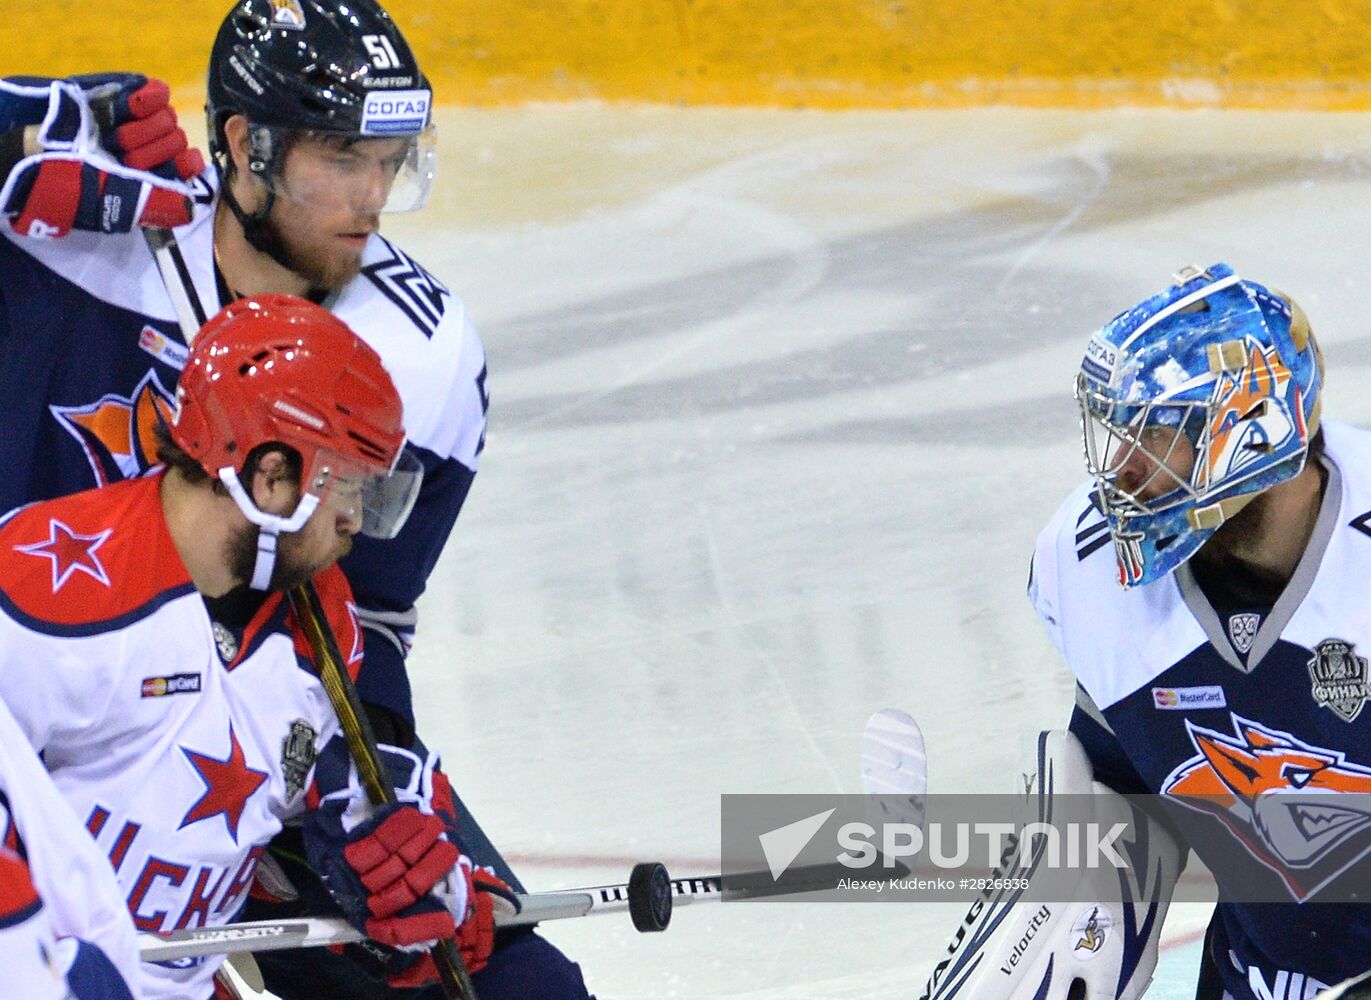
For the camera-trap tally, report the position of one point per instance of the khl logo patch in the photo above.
(1242, 629)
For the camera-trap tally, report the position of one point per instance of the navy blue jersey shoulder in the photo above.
(387, 578)
(83, 382)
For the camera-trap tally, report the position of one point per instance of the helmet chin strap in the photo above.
(254, 226)
(271, 525)
(1215, 514)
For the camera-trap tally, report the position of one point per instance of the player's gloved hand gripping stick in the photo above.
(304, 601)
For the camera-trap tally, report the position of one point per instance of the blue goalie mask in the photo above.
(1192, 403)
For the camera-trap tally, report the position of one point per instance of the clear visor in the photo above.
(1142, 456)
(362, 175)
(379, 503)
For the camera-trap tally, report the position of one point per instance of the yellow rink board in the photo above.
(793, 53)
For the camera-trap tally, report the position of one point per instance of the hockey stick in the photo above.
(190, 314)
(648, 896)
(452, 971)
(893, 764)
(361, 741)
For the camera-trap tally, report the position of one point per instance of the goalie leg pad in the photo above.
(1011, 947)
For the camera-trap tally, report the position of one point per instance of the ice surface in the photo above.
(779, 403)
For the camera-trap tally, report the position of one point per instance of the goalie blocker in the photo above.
(1010, 947)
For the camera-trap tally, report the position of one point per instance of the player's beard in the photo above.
(291, 568)
(1230, 546)
(311, 259)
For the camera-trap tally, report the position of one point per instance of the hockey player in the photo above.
(178, 711)
(319, 121)
(1222, 669)
(64, 930)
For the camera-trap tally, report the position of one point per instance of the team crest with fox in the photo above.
(1272, 791)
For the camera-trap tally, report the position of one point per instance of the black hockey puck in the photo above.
(649, 897)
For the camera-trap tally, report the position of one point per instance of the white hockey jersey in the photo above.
(182, 755)
(1249, 721)
(56, 889)
(26, 936)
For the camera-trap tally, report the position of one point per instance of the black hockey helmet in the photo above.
(325, 66)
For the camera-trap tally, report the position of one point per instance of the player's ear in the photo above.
(238, 141)
(236, 134)
(275, 484)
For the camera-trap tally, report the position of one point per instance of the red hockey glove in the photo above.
(397, 873)
(51, 195)
(488, 897)
(138, 125)
(74, 182)
(402, 857)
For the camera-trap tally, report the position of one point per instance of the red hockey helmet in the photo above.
(273, 368)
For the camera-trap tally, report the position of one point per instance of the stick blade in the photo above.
(895, 765)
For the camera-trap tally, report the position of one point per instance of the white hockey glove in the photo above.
(1010, 947)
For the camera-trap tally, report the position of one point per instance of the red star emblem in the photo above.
(229, 784)
(69, 552)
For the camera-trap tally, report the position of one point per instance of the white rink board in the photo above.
(780, 401)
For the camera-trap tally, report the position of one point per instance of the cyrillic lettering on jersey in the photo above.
(215, 890)
(1287, 985)
(96, 823)
(238, 886)
(154, 869)
(122, 844)
(198, 904)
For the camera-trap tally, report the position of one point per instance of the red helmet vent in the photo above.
(277, 368)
